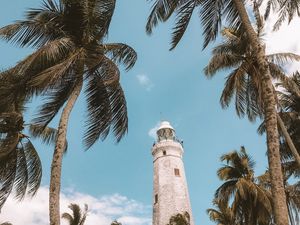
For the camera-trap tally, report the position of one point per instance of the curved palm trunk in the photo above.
(288, 139)
(55, 178)
(270, 114)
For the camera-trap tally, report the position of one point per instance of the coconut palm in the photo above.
(180, 219)
(223, 215)
(78, 216)
(69, 36)
(292, 193)
(251, 203)
(6, 223)
(20, 165)
(213, 14)
(244, 83)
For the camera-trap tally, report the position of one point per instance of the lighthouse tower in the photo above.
(170, 191)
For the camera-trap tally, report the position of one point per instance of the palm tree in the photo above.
(180, 219)
(212, 14)
(244, 82)
(251, 203)
(292, 193)
(6, 223)
(223, 215)
(20, 165)
(69, 36)
(78, 216)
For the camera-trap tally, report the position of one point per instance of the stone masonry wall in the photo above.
(171, 189)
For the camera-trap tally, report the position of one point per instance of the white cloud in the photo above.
(102, 210)
(144, 81)
(152, 131)
(286, 39)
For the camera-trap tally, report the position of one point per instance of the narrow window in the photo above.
(164, 152)
(156, 199)
(176, 171)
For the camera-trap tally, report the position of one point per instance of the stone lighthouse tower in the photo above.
(170, 191)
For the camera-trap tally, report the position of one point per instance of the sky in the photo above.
(115, 180)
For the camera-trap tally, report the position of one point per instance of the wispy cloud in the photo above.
(152, 131)
(102, 210)
(286, 39)
(145, 81)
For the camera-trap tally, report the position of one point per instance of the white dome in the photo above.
(165, 124)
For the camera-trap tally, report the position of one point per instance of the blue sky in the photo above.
(162, 85)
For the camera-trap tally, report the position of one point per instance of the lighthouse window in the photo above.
(155, 199)
(177, 173)
(164, 152)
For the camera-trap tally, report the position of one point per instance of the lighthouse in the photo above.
(170, 190)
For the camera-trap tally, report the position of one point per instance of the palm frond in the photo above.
(48, 135)
(99, 109)
(21, 179)
(56, 98)
(221, 62)
(7, 176)
(161, 11)
(184, 15)
(106, 103)
(57, 72)
(67, 217)
(211, 13)
(121, 53)
(119, 112)
(34, 168)
(42, 25)
(283, 58)
(102, 15)
(287, 10)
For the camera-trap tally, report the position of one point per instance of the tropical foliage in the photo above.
(69, 38)
(78, 216)
(20, 165)
(217, 14)
(243, 83)
(180, 219)
(223, 214)
(244, 198)
(251, 204)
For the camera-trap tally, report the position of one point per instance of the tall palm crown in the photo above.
(69, 37)
(243, 84)
(20, 165)
(211, 13)
(251, 203)
(78, 216)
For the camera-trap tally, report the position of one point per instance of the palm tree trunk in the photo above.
(55, 179)
(288, 140)
(270, 114)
